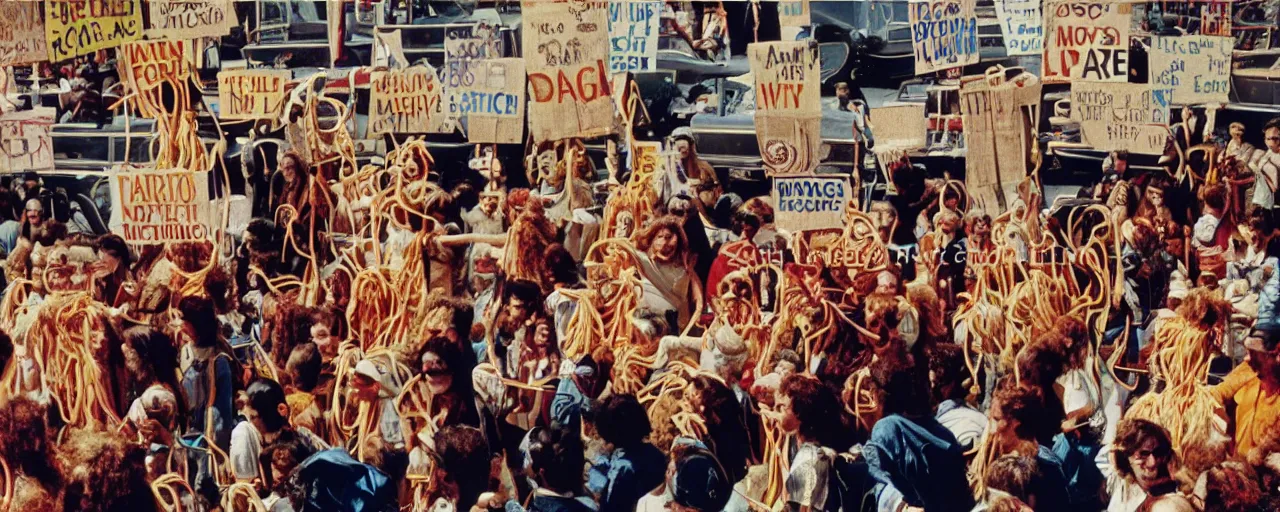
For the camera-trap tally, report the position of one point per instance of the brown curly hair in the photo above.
(670, 223)
(25, 443)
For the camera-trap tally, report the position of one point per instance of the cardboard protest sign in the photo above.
(189, 19)
(388, 50)
(633, 35)
(81, 27)
(904, 127)
(406, 101)
(1000, 118)
(1022, 25)
(21, 34)
(159, 206)
(944, 34)
(494, 106)
(804, 203)
(793, 13)
(25, 141)
(461, 54)
(788, 116)
(252, 93)
(1132, 117)
(566, 47)
(148, 64)
(1215, 18)
(1197, 68)
(1086, 41)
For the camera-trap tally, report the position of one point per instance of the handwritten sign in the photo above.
(788, 116)
(25, 141)
(807, 203)
(494, 106)
(406, 101)
(1197, 68)
(1086, 41)
(633, 36)
(81, 27)
(461, 55)
(21, 34)
(944, 34)
(1215, 18)
(251, 93)
(1022, 25)
(1113, 116)
(160, 206)
(148, 64)
(189, 19)
(793, 13)
(566, 45)
(999, 118)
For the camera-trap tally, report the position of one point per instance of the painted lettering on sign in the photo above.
(1022, 26)
(160, 206)
(788, 118)
(1196, 67)
(1086, 40)
(81, 27)
(633, 36)
(495, 106)
(406, 101)
(26, 143)
(944, 34)
(1122, 116)
(566, 47)
(22, 37)
(151, 63)
(251, 93)
(189, 19)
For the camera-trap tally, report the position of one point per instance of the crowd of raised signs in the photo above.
(375, 341)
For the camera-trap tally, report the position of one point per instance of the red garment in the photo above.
(732, 256)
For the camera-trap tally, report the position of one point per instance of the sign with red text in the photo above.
(21, 34)
(566, 48)
(81, 27)
(148, 64)
(160, 206)
(1215, 18)
(252, 93)
(944, 34)
(494, 106)
(406, 101)
(788, 115)
(1197, 68)
(1132, 117)
(25, 140)
(1086, 41)
(806, 203)
(1022, 25)
(189, 19)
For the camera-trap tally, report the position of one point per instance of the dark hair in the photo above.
(451, 356)
(464, 458)
(286, 453)
(667, 223)
(621, 420)
(726, 428)
(265, 396)
(1131, 434)
(198, 311)
(902, 389)
(114, 480)
(815, 405)
(52, 231)
(25, 443)
(1214, 196)
(556, 459)
(1230, 486)
(304, 366)
(157, 352)
(115, 246)
(1023, 405)
(527, 292)
(6, 351)
(1018, 475)
(564, 270)
(1273, 123)
(946, 363)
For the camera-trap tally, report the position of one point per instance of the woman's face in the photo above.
(1237, 131)
(108, 260)
(682, 146)
(664, 245)
(437, 373)
(1004, 425)
(1147, 462)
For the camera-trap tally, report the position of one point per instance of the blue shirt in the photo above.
(631, 473)
(922, 460)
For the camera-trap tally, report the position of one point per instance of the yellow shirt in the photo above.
(1256, 410)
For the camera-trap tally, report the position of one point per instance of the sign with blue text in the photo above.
(810, 202)
(494, 105)
(1022, 25)
(633, 36)
(1112, 116)
(1197, 68)
(944, 34)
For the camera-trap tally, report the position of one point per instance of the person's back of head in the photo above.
(1017, 475)
(948, 370)
(270, 411)
(556, 459)
(902, 389)
(304, 366)
(700, 483)
(464, 460)
(620, 420)
(1230, 486)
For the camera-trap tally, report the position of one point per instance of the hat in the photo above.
(682, 132)
(1263, 337)
(700, 482)
(380, 374)
(1178, 289)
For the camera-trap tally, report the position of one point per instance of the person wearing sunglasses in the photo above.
(1144, 465)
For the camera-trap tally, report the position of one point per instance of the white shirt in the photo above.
(807, 481)
(1265, 174)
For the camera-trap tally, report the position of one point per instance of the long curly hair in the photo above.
(669, 223)
(25, 442)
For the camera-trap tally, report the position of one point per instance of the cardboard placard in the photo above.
(189, 19)
(406, 101)
(252, 93)
(1197, 68)
(461, 55)
(81, 27)
(22, 38)
(1022, 25)
(566, 48)
(1086, 41)
(495, 105)
(805, 203)
(388, 50)
(788, 114)
(999, 123)
(793, 13)
(1131, 117)
(904, 128)
(148, 64)
(633, 35)
(944, 34)
(160, 206)
(1215, 18)
(25, 140)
